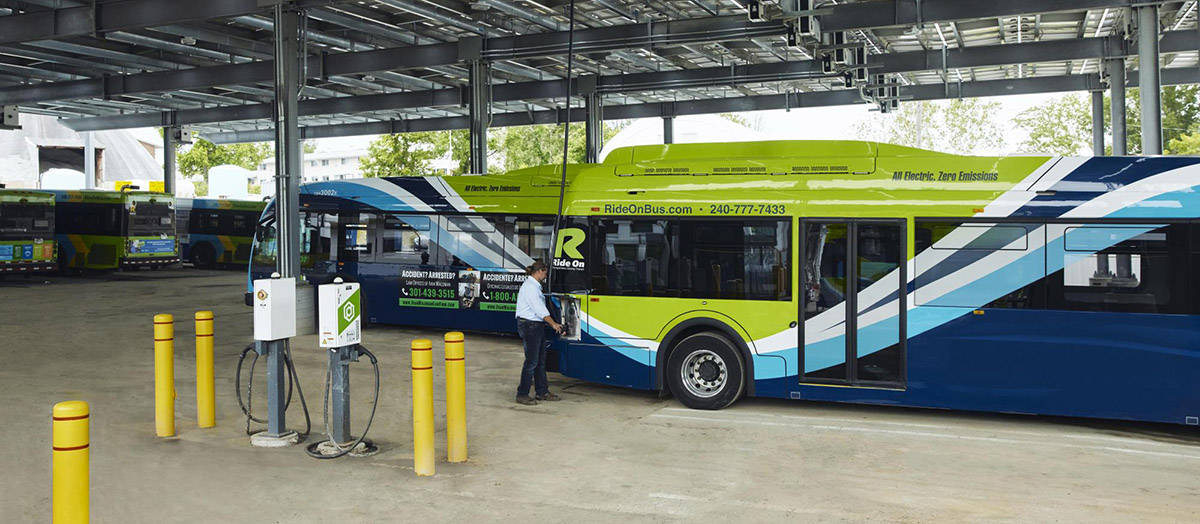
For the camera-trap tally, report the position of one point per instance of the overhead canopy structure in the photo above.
(378, 66)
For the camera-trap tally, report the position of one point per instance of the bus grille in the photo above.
(102, 255)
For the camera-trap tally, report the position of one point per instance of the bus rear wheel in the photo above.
(204, 257)
(705, 371)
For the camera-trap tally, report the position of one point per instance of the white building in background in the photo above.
(688, 130)
(229, 181)
(42, 144)
(315, 167)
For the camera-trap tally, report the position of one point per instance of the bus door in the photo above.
(853, 302)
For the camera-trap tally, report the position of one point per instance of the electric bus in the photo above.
(216, 231)
(114, 229)
(26, 231)
(814, 270)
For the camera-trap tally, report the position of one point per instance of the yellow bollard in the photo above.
(164, 375)
(71, 470)
(456, 398)
(422, 380)
(206, 396)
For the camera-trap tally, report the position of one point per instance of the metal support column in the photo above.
(339, 404)
(287, 138)
(89, 161)
(169, 160)
(1097, 123)
(287, 195)
(480, 113)
(668, 129)
(1148, 79)
(1116, 86)
(593, 123)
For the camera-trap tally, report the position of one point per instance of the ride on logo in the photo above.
(569, 240)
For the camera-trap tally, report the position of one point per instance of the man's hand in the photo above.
(558, 328)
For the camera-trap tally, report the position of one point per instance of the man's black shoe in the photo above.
(549, 397)
(525, 400)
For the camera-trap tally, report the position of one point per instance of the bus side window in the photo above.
(406, 239)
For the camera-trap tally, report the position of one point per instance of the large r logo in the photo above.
(569, 240)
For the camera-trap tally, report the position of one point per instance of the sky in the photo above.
(819, 123)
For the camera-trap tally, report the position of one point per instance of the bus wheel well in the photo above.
(690, 327)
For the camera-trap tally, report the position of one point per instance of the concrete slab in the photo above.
(601, 455)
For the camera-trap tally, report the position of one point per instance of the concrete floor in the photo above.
(601, 455)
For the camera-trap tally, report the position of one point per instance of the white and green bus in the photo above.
(115, 229)
(816, 270)
(26, 231)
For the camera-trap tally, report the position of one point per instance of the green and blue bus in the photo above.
(215, 231)
(26, 231)
(814, 270)
(114, 229)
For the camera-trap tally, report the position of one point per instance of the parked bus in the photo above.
(216, 231)
(824, 270)
(115, 229)
(26, 231)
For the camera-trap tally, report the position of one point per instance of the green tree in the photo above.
(960, 126)
(202, 155)
(1069, 119)
(536, 145)
(404, 154)
(1186, 144)
(1061, 126)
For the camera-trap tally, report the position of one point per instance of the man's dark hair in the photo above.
(536, 266)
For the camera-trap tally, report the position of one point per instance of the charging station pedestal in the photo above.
(274, 324)
(339, 318)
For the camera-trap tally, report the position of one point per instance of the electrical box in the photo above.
(274, 308)
(339, 315)
(9, 117)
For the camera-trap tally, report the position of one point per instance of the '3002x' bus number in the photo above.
(746, 209)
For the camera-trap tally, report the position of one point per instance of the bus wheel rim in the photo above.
(704, 373)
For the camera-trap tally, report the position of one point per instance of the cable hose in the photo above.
(562, 185)
(312, 448)
(293, 384)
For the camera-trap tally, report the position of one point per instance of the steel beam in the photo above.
(907, 13)
(1053, 84)
(287, 139)
(168, 134)
(668, 129)
(88, 20)
(1148, 79)
(1116, 86)
(480, 113)
(1097, 123)
(593, 127)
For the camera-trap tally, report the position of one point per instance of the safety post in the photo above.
(164, 375)
(206, 396)
(71, 469)
(456, 398)
(422, 380)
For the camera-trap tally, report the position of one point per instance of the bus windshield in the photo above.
(151, 218)
(26, 219)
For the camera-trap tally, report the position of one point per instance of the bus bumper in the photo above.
(149, 261)
(27, 267)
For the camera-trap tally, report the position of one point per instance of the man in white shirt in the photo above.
(532, 319)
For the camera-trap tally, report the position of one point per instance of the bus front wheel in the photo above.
(705, 371)
(204, 257)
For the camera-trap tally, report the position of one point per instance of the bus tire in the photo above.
(705, 371)
(204, 257)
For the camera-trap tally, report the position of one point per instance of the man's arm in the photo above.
(541, 311)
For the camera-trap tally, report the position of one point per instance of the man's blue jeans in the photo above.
(533, 372)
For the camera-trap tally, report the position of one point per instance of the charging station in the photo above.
(274, 324)
(339, 321)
